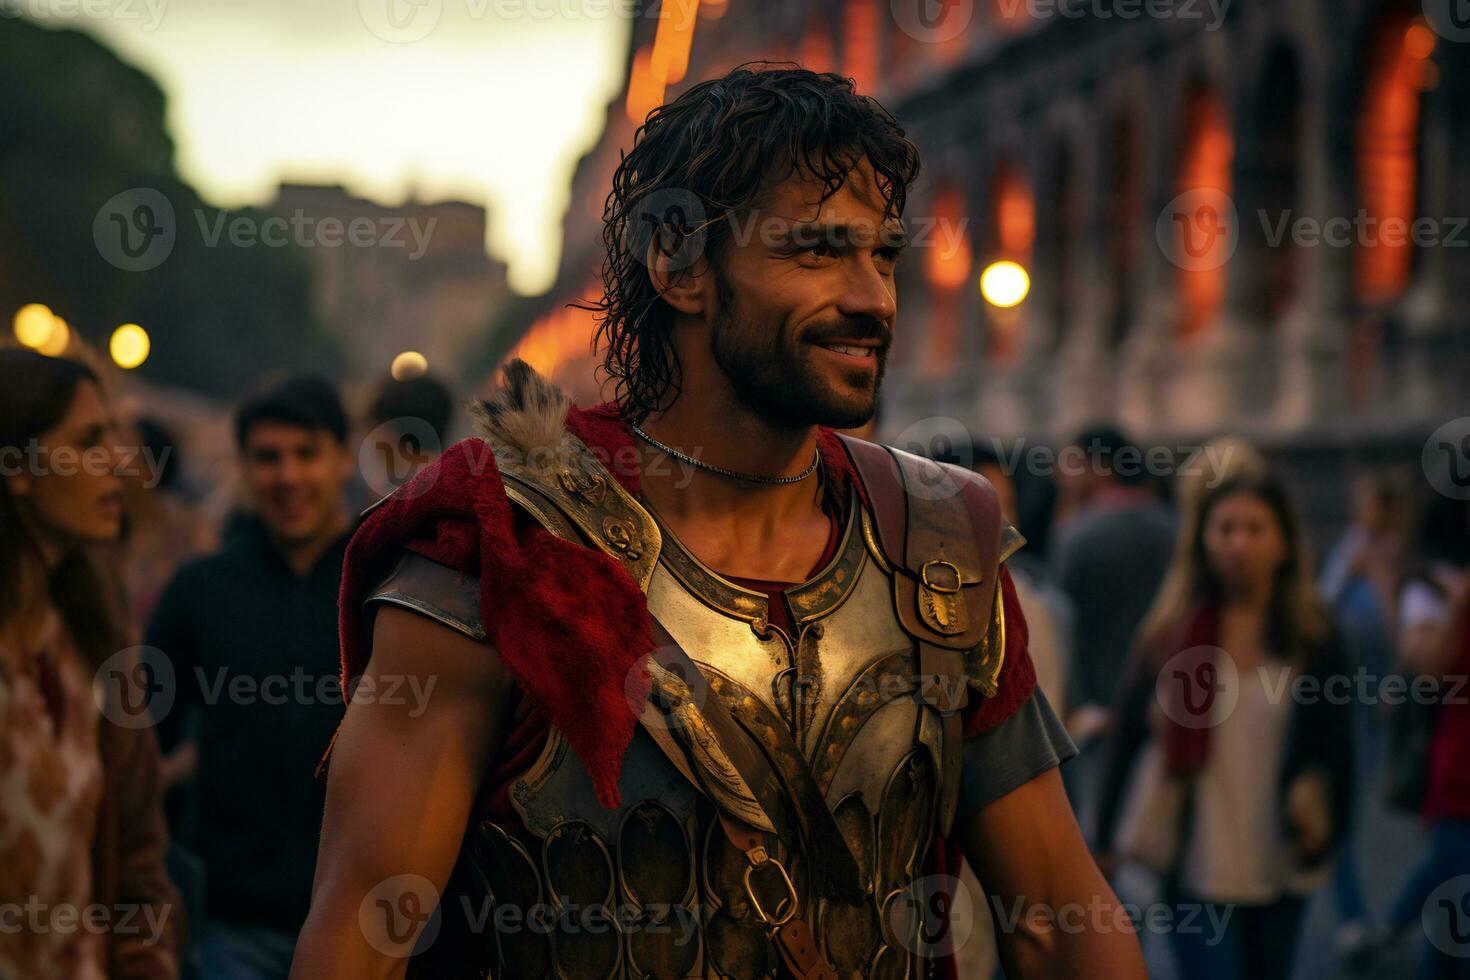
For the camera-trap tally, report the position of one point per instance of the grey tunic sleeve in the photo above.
(1013, 753)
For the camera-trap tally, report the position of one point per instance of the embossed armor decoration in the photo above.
(776, 777)
(855, 712)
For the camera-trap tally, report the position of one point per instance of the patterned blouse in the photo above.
(50, 788)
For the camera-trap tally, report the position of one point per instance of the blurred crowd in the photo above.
(168, 680)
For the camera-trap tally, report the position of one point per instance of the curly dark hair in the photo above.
(706, 157)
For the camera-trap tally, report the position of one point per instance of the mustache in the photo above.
(852, 328)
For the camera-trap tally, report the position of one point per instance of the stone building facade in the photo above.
(386, 279)
(1210, 199)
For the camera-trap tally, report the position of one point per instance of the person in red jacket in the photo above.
(1435, 619)
(719, 690)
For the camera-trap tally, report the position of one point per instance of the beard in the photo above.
(777, 374)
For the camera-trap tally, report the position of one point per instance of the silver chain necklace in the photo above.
(732, 474)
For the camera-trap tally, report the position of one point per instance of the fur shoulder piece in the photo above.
(527, 412)
(552, 463)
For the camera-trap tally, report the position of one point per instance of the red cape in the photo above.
(570, 625)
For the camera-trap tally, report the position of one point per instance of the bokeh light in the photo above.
(58, 340)
(34, 324)
(129, 346)
(1004, 284)
(409, 365)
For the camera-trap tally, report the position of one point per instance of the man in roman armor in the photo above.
(713, 690)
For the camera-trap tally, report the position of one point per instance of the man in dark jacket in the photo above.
(251, 635)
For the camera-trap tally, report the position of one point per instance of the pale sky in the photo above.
(491, 101)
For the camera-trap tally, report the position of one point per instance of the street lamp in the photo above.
(1005, 284)
(129, 346)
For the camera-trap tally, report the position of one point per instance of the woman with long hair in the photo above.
(82, 838)
(1236, 700)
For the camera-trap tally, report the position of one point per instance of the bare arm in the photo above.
(399, 795)
(1056, 916)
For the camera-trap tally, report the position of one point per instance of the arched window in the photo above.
(860, 54)
(1063, 219)
(816, 45)
(1011, 17)
(1124, 161)
(1397, 69)
(902, 48)
(1012, 214)
(948, 263)
(1270, 182)
(1204, 166)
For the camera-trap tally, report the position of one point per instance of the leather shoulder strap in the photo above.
(939, 527)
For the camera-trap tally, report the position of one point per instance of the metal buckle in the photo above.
(934, 587)
(759, 859)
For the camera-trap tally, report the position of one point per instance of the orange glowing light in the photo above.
(673, 39)
(948, 260)
(816, 46)
(645, 90)
(560, 338)
(1418, 40)
(1388, 158)
(860, 46)
(1209, 149)
(1015, 213)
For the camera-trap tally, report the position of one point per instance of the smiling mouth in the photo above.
(851, 350)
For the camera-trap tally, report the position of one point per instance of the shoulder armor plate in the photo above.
(566, 485)
(433, 590)
(939, 528)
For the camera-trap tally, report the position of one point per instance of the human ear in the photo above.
(680, 282)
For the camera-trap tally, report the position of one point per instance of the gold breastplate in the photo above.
(832, 706)
(833, 703)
